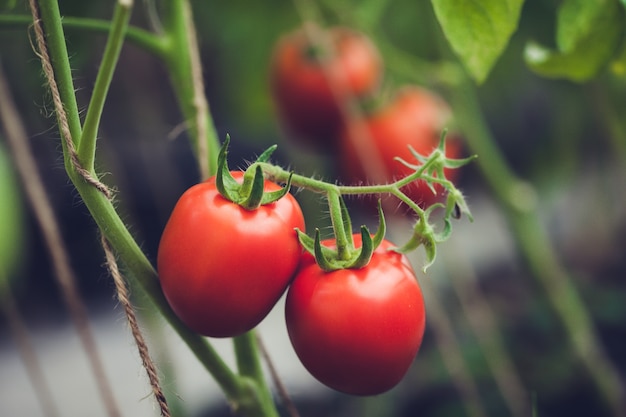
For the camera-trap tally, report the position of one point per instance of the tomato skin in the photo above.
(304, 100)
(357, 330)
(416, 117)
(222, 268)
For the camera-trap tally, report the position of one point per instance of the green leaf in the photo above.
(576, 20)
(478, 31)
(591, 53)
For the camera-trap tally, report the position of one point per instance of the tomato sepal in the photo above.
(250, 193)
(425, 235)
(330, 260)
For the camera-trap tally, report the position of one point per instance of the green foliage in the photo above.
(478, 31)
(588, 35)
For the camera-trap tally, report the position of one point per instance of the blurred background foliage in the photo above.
(566, 139)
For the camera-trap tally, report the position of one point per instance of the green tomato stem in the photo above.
(57, 50)
(87, 148)
(180, 54)
(249, 365)
(146, 40)
(342, 239)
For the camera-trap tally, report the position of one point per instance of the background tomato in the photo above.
(304, 99)
(222, 268)
(414, 117)
(357, 330)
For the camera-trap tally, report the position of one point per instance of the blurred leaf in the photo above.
(10, 220)
(478, 31)
(591, 52)
(576, 20)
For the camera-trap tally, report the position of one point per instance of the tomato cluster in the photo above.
(223, 267)
(312, 92)
(226, 257)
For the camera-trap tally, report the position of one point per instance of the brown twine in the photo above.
(42, 52)
(142, 347)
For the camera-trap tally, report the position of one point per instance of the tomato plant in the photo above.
(414, 117)
(357, 330)
(306, 98)
(222, 267)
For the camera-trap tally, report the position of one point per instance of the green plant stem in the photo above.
(519, 203)
(102, 210)
(57, 50)
(247, 359)
(87, 149)
(341, 238)
(249, 365)
(146, 40)
(178, 59)
(279, 174)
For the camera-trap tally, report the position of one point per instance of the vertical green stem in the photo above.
(342, 239)
(519, 203)
(55, 38)
(179, 60)
(247, 359)
(87, 148)
(249, 365)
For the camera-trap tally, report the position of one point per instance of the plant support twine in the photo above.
(142, 347)
(42, 52)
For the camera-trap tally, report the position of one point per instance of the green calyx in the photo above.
(250, 193)
(424, 234)
(431, 168)
(346, 255)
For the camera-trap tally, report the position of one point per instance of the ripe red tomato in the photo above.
(414, 117)
(305, 101)
(222, 268)
(357, 330)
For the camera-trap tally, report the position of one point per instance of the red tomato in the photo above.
(357, 330)
(414, 117)
(222, 268)
(306, 102)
